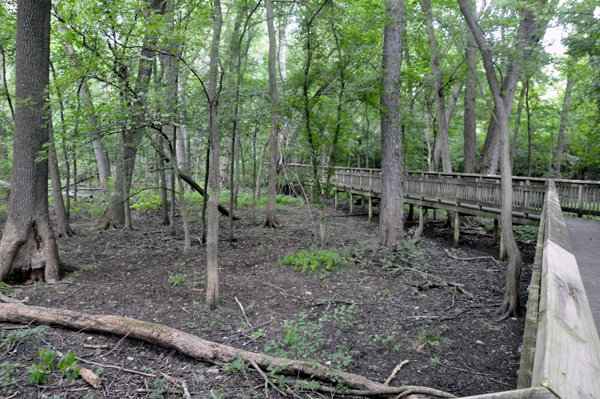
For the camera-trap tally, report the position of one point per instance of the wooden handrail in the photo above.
(578, 196)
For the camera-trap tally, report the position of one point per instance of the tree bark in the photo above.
(564, 119)
(470, 103)
(513, 152)
(28, 247)
(391, 215)
(270, 213)
(212, 239)
(86, 97)
(442, 145)
(261, 167)
(63, 229)
(115, 212)
(529, 34)
(510, 305)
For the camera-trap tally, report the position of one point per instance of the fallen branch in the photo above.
(267, 381)
(195, 347)
(243, 311)
(8, 299)
(385, 390)
(393, 375)
(179, 382)
(90, 377)
(110, 366)
(475, 258)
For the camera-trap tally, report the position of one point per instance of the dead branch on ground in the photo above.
(200, 349)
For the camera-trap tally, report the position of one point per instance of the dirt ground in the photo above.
(381, 309)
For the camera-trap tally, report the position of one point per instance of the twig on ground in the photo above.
(243, 311)
(110, 366)
(212, 394)
(393, 375)
(465, 370)
(500, 382)
(263, 375)
(475, 258)
(388, 391)
(118, 343)
(179, 382)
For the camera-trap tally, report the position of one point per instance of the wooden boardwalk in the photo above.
(585, 241)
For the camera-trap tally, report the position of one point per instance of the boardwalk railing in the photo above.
(473, 194)
(560, 357)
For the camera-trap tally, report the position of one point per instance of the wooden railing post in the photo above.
(580, 201)
(456, 229)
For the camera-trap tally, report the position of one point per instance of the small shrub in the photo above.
(150, 201)
(315, 259)
(6, 370)
(176, 280)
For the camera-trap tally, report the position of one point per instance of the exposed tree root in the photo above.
(8, 299)
(201, 349)
(271, 223)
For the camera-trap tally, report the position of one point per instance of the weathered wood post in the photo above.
(351, 202)
(335, 200)
(501, 256)
(580, 201)
(370, 208)
(456, 227)
(495, 234)
(421, 220)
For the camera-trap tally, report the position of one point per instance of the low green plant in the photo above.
(68, 365)
(148, 201)
(17, 336)
(176, 280)
(305, 261)
(6, 379)
(526, 234)
(38, 374)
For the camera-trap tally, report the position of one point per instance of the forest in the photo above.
(150, 152)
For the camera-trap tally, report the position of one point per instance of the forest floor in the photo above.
(366, 317)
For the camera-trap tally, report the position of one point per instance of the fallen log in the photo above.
(199, 348)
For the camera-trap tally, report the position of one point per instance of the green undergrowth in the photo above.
(49, 360)
(151, 200)
(523, 233)
(309, 337)
(315, 259)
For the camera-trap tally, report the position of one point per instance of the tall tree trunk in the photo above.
(182, 133)
(470, 113)
(4, 83)
(440, 98)
(564, 119)
(86, 98)
(529, 34)
(115, 212)
(529, 131)
(513, 152)
(510, 305)
(28, 247)
(391, 215)
(163, 190)
(270, 214)
(63, 229)
(212, 239)
(261, 167)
